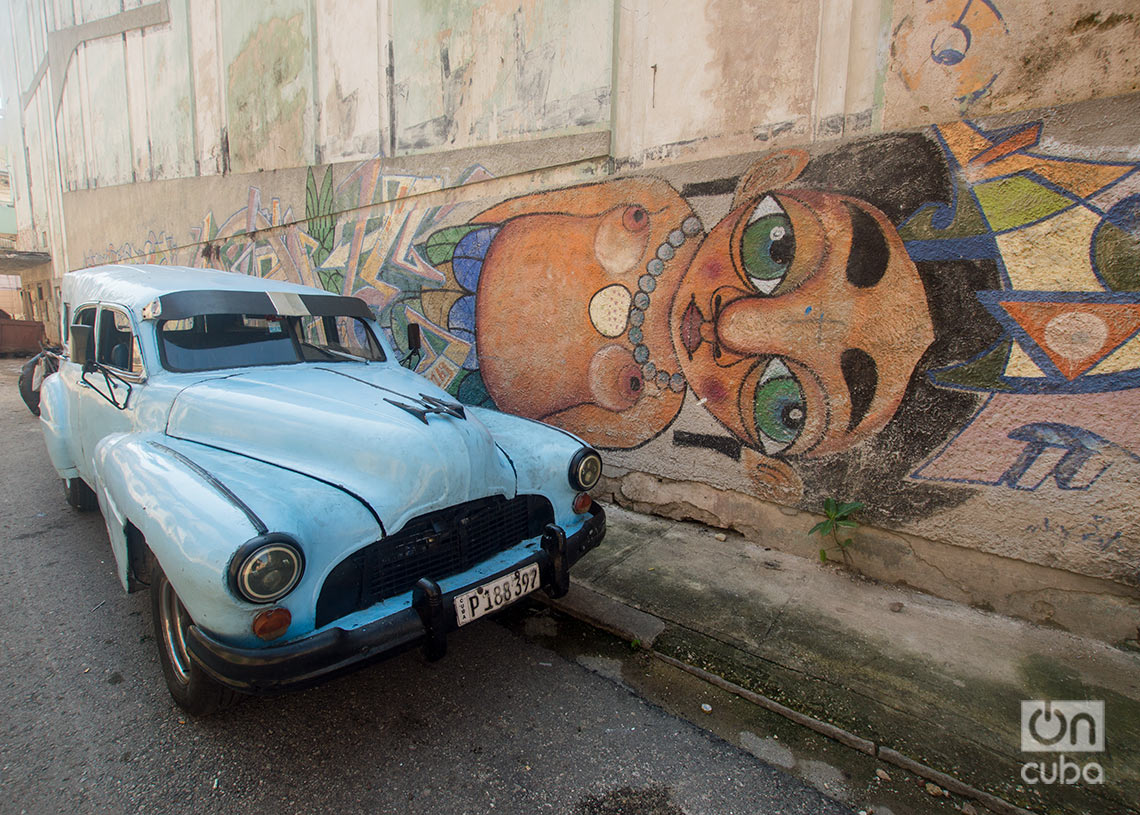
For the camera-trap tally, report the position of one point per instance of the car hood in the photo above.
(344, 424)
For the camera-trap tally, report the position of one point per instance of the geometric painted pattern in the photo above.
(1076, 342)
(1075, 336)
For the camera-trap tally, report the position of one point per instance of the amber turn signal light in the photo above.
(582, 502)
(271, 623)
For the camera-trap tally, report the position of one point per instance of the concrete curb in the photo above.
(633, 625)
(823, 728)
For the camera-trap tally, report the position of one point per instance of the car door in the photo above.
(108, 393)
(71, 374)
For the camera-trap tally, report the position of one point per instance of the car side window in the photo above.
(84, 316)
(116, 345)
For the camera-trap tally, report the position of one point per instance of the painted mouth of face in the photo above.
(691, 322)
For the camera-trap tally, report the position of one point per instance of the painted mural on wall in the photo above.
(956, 46)
(782, 318)
(908, 319)
(971, 57)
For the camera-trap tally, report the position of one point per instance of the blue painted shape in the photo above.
(462, 314)
(461, 323)
(974, 247)
(1083, 462)
(467, 260)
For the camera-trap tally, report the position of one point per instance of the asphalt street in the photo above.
(502, 724)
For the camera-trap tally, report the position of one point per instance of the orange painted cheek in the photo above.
(713, 390)
(712, 270)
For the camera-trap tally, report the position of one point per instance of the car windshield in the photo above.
(209, 342)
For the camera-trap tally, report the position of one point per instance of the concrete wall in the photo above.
(762, 254)
(10, 296)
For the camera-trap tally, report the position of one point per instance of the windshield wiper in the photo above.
(344, 355)
(329, 352)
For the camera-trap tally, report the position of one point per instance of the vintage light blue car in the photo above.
(297, 502)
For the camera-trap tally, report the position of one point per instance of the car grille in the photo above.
(436, 545)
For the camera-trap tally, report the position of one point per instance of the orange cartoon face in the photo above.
(800, 321)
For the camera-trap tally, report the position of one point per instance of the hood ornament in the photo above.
(429, 404)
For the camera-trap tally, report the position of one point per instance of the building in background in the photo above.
(16, 299)
(10, 303)
(761, 253)
(7, 203)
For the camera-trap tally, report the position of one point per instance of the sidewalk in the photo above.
(922, 683)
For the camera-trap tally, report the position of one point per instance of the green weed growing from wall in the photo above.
(838, 517)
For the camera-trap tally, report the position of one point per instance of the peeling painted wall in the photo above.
(758, 252)
(197, 87)
(481, 71)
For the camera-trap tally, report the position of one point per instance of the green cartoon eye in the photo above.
(767, 245)
(778, 409)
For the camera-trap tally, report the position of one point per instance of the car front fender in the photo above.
(541, 457)
(190, 526)
(196, 506)
(56, 423)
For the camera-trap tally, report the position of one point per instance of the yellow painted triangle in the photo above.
(1124, 358)
(1020, 364)
(1036, 260)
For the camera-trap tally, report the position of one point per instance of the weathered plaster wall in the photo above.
(478, 72)
(749, 74)
(977, 57)
(232, 221)
(759, 253)
(179, 88)
(754, 73)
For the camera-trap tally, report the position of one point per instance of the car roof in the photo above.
(137, 286)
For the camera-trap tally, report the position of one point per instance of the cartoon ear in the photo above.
(773, 478)
(769, 173)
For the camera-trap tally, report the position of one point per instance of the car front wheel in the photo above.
(192, 689)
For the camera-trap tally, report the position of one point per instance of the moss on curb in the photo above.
(953, 732)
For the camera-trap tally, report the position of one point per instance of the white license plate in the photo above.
(494, 595)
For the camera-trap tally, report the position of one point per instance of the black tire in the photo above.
(30, 394)
(79, 495)
(191, 688)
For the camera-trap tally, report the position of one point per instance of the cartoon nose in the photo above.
(752, 326)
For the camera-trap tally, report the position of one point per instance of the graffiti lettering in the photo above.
(1096, 533)
(1085, 457)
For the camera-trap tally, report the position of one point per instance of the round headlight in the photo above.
(269, 572)
(585, 469)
